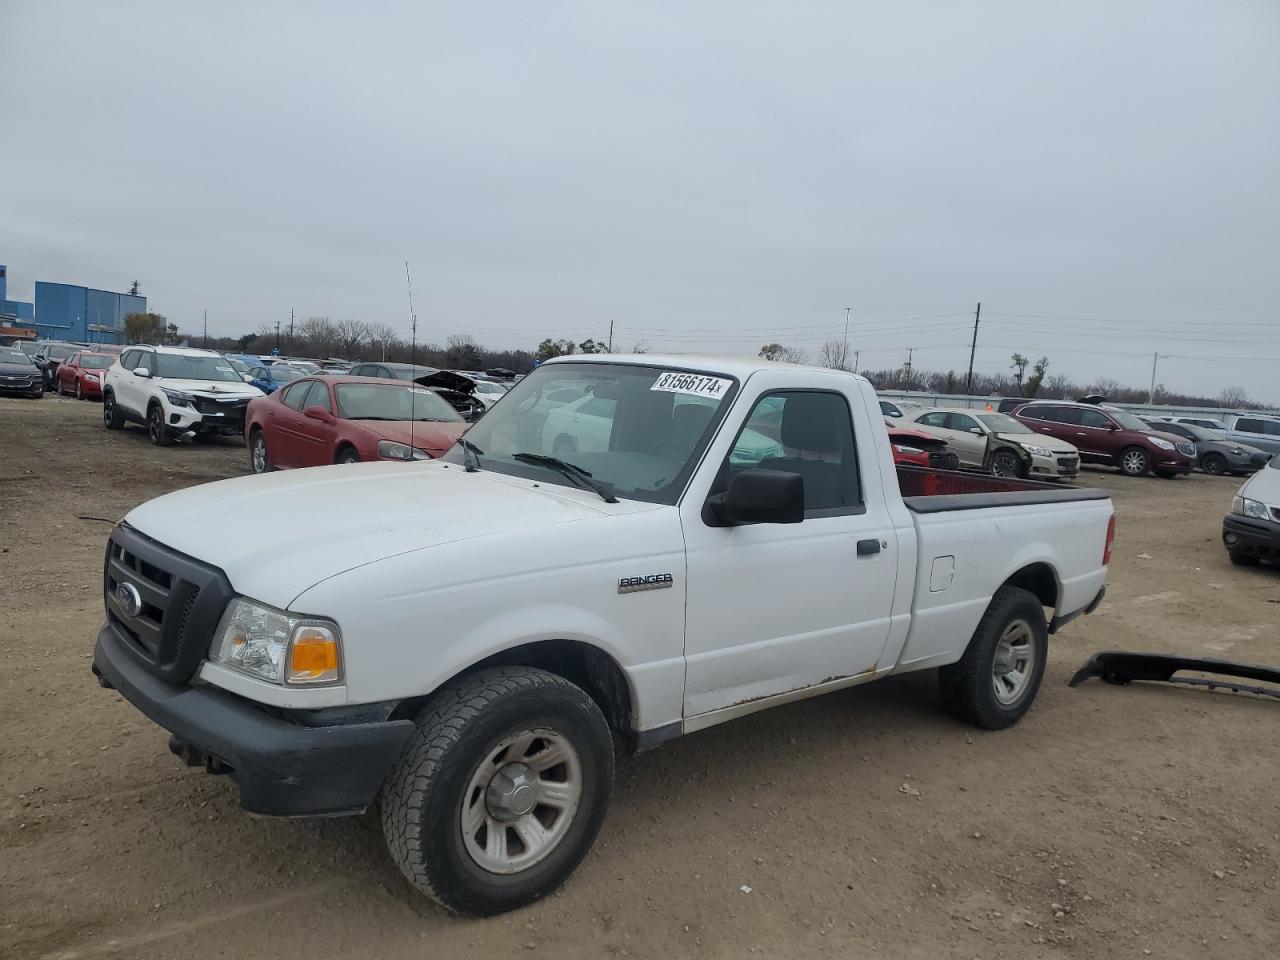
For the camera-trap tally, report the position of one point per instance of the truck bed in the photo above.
(926, 490)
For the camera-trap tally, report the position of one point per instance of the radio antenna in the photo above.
(413, 359)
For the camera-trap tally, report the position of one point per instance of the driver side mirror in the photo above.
(246, 378)
(315, 412)
(144, 372)
(976, 431)
(757, 496)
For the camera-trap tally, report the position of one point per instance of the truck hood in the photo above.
(1264, 485)
(275, 535)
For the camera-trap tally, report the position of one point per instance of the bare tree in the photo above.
(783, 353)
(835, 354)
(351, 334)
(316, 336)
(1233, 397)
(382, 338)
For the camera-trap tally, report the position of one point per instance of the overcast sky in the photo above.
(708, 176)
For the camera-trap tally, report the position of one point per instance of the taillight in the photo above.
(1111, 539)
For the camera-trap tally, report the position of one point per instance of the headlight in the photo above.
(276, 646)
(178, 398)
(904, 449)
(1037, 451)
(1161, 443)
(1243, 507)
(1237, 453)
(391, 450)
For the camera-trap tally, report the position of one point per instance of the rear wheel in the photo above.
(1214, 463)
(111, 418)
(259, 462)
(157, 433)
(501, 791)
(997, 679)
(1134, 462)
(1006, 463)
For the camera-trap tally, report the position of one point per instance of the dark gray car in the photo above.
(1215, 453)
(19, 374)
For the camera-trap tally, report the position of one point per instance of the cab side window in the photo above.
(129, 359)
(933, 420)
(961, 422)
(815, 440)
(1092, 418)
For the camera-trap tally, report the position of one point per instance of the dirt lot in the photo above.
(1111, 822)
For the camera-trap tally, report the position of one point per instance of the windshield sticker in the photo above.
(673, 381)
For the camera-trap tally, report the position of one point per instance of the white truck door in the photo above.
(773, 608)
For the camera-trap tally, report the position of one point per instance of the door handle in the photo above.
(868, 548)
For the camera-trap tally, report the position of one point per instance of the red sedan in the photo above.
(920, 449)
(321, 420)
(81, 374)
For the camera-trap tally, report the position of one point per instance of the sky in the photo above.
(1103, 176)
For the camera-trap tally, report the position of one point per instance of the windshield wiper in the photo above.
(570, 470)
(470, 455)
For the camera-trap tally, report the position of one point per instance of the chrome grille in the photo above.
(1186, 449)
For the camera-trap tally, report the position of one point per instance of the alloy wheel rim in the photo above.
(259, 454)
(1134, 462)
(1014, 662)
(155, 426)
(521, 800)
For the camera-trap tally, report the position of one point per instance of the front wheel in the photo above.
(1006, 463)
(79, 391)
(501, 791)
(157, 433)
(1134, 462)
(349, 455)
(1214, 463)
(997, 679)
(111, 418)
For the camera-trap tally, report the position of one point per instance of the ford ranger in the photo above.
(472, 638)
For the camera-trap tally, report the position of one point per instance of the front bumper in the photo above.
(1063, 466)
(286, 763)
(22, 388)
(1251, 538)
(1172, 465)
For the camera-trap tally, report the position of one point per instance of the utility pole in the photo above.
(611, 336)
(1151, 395)
(290, 344)
(844, 354)
(206, 329)
(856, 355)
(910, 351)
(977, 315)
(277, 337)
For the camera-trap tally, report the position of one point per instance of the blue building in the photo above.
(16, 309)
(63, 311)
(67, 312)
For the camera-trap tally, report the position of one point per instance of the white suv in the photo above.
(176, 392)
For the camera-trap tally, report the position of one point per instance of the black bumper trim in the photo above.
(283, 769)
(1057, 623)
(1253, 538)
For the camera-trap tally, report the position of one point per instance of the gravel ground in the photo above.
(1111, 822)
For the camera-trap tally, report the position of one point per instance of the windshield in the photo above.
(91, 362)
(13, 356)
(177, 366)
(638, 430)
(374, 401)
(30, 348)
(279, 374)
(1127, 420)
(1200, 433)
(238, 365)
(1001, 423)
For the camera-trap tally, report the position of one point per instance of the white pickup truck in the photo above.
(468, 640)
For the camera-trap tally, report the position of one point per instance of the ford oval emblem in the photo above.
(128, 597)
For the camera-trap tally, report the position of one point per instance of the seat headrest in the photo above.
(808, 424)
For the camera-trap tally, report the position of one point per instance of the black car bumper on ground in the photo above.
(1248, 537)
(286, 763)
